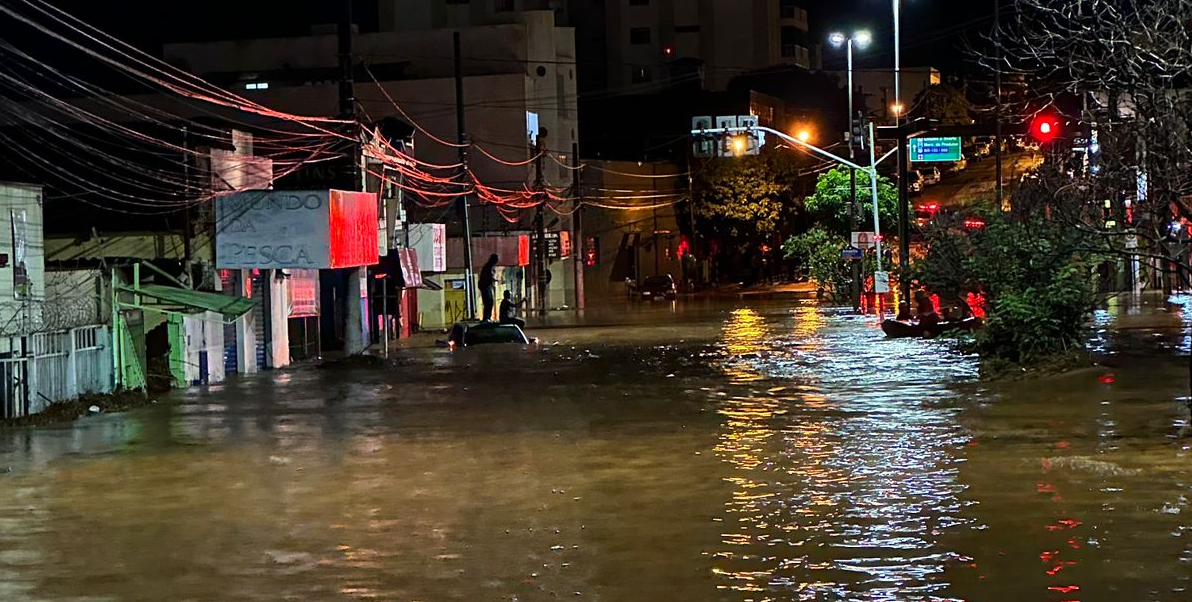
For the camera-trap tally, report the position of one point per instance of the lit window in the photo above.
(256, 86)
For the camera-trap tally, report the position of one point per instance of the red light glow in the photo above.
(353, 229)
(1045, 128)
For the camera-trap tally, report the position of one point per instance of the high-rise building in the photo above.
(637, 45)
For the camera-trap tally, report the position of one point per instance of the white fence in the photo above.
(45, 368)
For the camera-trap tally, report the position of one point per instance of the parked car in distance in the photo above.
(468, 334)
(915, 181)
(659, 287)
(931, 175)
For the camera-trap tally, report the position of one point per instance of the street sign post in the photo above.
(851, 253)
(936, 150)
(881, 282)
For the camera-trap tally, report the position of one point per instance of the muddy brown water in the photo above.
(705, 452)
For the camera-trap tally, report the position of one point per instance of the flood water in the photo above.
(741, 452)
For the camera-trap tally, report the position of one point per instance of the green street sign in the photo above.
(936, 150)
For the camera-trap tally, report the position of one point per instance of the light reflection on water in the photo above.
(839, 496)
(719, 454)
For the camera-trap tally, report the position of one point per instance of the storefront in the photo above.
(300, 253)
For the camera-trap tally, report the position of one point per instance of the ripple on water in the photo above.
(843, 462)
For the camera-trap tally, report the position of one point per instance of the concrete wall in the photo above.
(204, 332)
(21, 316)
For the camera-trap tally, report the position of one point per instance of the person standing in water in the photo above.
(488, 287)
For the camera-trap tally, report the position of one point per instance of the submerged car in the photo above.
(659, 287)
(468, 334)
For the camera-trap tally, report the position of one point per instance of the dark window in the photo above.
(639, 35)
(687, 29)
(791, 41)
(458, 1)
(504, 6)
(639, 2)
(787, 9)
(642, 75)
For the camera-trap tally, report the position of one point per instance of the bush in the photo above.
(1035, 274)
(818, 251)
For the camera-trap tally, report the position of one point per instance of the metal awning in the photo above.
(187, 301)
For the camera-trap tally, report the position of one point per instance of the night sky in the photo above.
(932, 29)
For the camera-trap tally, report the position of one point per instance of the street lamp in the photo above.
(861, 39)
(739, 145)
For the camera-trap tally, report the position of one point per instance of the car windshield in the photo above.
(496, 333)
(657, 281)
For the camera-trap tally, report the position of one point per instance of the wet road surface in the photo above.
(771, 451)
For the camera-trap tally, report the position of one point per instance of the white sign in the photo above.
(430, 242)
(881, 282)
(864, 240)
(273, 229)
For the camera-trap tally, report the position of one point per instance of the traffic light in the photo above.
(1045, 128)
(860, 130)
(592, 251)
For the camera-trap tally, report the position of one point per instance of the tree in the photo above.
(943, 103)
(818, 251)
(1128, 65)
(746, 197)
(1034, 271)
(828, 206)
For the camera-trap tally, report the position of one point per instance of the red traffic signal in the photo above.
(1045, 128)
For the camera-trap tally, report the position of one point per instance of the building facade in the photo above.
(643, 44)
(519, 87)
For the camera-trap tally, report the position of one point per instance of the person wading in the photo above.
(488, 287)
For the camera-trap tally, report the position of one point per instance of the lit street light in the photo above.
(803, 134)
(739, 145)
(861, 39)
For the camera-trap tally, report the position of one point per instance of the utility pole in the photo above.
(577, 227)
(462, 203)
(997, 32)
(852, 176)
(540, 228)
(904, 227)
(188, 229)
(354, 320)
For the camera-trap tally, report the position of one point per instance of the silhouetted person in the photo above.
(488, 287)
(508, 312)
(929, 321)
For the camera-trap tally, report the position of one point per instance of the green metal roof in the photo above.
(199, 301)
